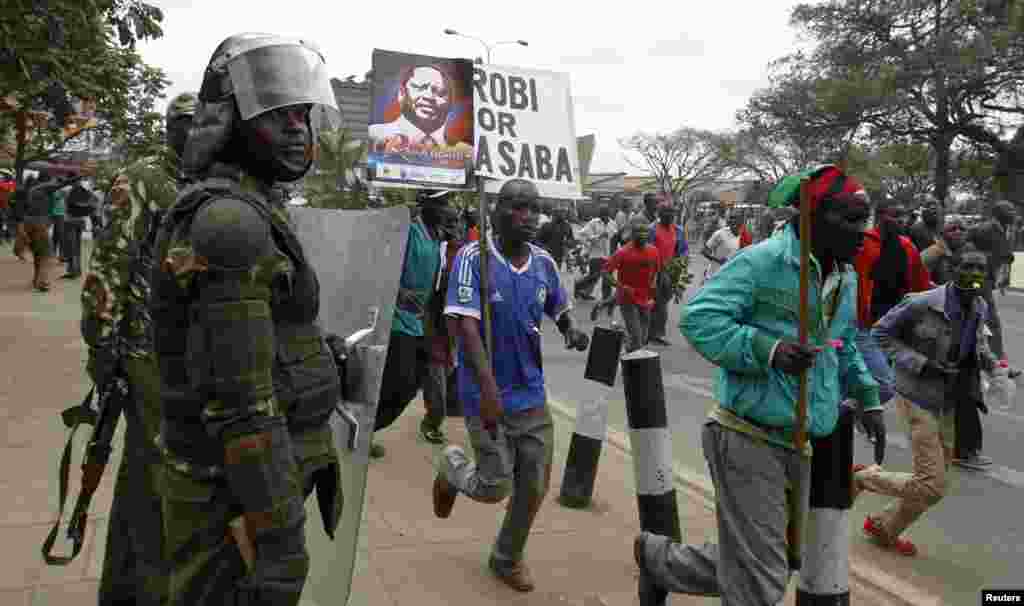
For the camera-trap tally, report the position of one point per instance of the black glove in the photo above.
(874, 425)
(981, 406)
(933, 369)
(337, 346)
(280, 569)
(576, 339)
(793, 358)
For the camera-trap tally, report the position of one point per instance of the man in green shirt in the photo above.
(408, 356)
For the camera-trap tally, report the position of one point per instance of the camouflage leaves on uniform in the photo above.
(112, 290)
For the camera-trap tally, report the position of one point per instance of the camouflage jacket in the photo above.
(116, 288)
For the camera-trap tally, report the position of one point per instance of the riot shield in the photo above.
(358, 258)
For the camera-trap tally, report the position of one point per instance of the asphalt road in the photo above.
(973, 538)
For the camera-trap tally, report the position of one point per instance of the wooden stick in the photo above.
(485, 276)
(794, 530)
(800, 436)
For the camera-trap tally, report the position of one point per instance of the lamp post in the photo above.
(487, 47)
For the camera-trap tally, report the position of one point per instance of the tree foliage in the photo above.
(939, 73)
(55, 52)
(681, 161)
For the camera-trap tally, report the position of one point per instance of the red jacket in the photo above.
(745, 238)
(917, 277)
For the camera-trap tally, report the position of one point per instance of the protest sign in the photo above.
(525, 129)
(421, 121)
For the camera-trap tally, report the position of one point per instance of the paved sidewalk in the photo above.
(581, 558)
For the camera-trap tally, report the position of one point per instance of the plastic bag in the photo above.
(998, 389)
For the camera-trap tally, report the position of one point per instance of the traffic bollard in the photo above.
(651, 443)
(825, 573)
(591, 421)
(584, 454)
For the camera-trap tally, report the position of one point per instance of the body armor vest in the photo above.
(306, 384)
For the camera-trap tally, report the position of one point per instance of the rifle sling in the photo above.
(65, 463)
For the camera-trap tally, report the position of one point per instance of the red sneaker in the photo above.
(901, 546)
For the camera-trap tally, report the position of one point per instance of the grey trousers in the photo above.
(748, 567)
(519, 461)
(659, 315)
(638, 322)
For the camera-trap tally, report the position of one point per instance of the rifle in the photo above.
(110, 401)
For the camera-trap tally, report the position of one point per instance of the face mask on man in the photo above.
(971, 281)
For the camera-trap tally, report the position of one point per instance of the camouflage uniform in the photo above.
(115, 299)
(286, 380)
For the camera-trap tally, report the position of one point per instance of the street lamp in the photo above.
(487, 46)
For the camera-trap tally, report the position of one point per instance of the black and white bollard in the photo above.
(591, 421)
(651, 444)
(825, 573)
(584, 454)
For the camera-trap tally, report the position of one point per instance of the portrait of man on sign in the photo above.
(421, 122)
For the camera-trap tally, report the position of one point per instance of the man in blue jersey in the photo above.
(503, 395)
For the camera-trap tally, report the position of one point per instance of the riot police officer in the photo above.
(116, 327)
(247, 380)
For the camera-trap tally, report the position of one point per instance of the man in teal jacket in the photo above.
(746, 321)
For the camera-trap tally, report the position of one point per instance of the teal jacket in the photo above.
(751, 304)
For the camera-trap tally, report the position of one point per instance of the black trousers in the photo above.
(72, 245)
(405, 370)
(58, 236)
(968, 429)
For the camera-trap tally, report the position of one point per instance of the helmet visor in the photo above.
(269, 77)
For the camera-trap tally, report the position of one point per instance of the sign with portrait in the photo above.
(525, 129)
(421, 121)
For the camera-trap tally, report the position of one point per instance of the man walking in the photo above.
(925, 231)
(722, 245)
(81, 204)
(938, 345)
(637, 264)
(991, 237)
(888, 267)
(408, 359)
(436, 334)
(940, 258)
(36, 218)
(116, 326)
(745, 322)
(556, 236)
(502, 390)
(670, 241)
(597, 235)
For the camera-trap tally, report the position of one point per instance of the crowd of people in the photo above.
(200, 296)
(47, 216)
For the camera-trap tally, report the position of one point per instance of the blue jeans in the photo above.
(878, 364)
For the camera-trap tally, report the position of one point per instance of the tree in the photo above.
(58, 51)
(920, 71)
(334, 183)
(680, 161)
(138, 131)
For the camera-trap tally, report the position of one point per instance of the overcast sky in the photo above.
(637, 65)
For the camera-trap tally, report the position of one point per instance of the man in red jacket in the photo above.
(888, 267)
